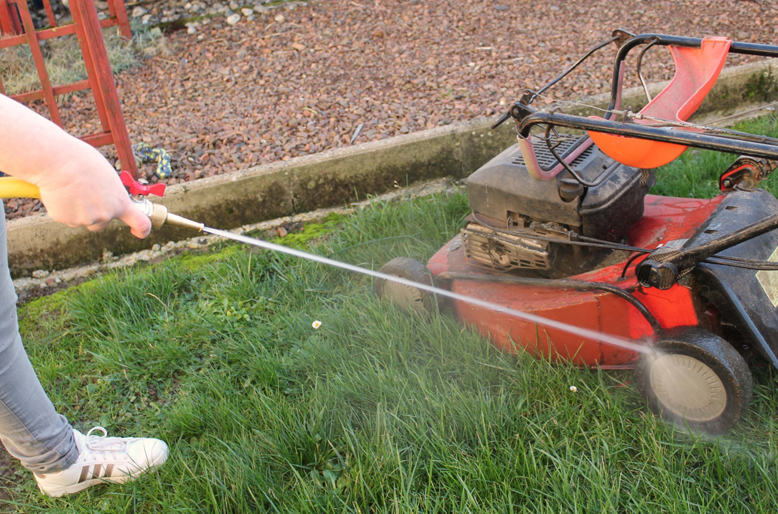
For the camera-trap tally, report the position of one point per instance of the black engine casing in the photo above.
(503, 188)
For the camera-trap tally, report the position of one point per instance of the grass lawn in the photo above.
(376, 410)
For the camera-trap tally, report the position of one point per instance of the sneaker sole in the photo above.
(61, 491)
(56, 492)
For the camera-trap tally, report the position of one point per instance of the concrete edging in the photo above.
(341, 176)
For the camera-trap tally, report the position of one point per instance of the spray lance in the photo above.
(14, 188)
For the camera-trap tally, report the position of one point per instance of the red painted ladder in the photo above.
(16, 25)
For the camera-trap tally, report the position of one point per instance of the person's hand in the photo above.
(87, 192)
(78, 186)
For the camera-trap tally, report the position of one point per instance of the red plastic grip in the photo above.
(138, 189)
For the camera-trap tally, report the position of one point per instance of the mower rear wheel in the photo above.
(696, 380)
(408, 298)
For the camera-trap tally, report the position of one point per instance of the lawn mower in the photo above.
(562, 226)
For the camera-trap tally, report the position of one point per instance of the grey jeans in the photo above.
(30, 427)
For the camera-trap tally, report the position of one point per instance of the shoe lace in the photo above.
(103, 443)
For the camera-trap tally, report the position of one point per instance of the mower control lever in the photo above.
(748, 171)
(502, 120)
(662, 268)
(518, 111)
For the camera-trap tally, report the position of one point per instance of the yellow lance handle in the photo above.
(11, 187)
(15, 188)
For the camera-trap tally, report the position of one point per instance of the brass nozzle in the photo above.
(160, 216)
(178, 221)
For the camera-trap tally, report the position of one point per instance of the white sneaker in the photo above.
(104, 459)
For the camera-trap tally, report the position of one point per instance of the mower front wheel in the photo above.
(695, 379)
(407, 297)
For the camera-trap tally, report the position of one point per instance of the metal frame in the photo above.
(16, 23)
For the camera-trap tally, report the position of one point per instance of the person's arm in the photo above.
(79, 187)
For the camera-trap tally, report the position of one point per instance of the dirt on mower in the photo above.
(302, 78)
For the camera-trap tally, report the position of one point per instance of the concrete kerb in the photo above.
(342, 176)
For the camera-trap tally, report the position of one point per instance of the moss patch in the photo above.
(193, 262)
(31, 313)
(311, 232)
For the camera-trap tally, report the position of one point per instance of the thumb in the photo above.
(139, 223)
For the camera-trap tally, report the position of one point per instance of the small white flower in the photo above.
(574, 389)
(316, 324)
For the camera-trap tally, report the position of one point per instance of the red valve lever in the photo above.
(138, 189)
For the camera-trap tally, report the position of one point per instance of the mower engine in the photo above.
(516, 220)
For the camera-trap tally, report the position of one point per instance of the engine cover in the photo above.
(509, 206)
(503, 194)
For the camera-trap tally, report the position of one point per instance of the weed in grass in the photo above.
(193, 262)
(312, 232)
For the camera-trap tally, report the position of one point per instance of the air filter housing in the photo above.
(502, 192)
(519, 223)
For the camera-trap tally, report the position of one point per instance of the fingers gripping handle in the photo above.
(11, 187)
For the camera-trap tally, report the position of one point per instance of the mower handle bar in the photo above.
(526, 116)
(736, 47)
(667, 135)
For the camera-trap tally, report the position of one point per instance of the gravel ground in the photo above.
(256, 85)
